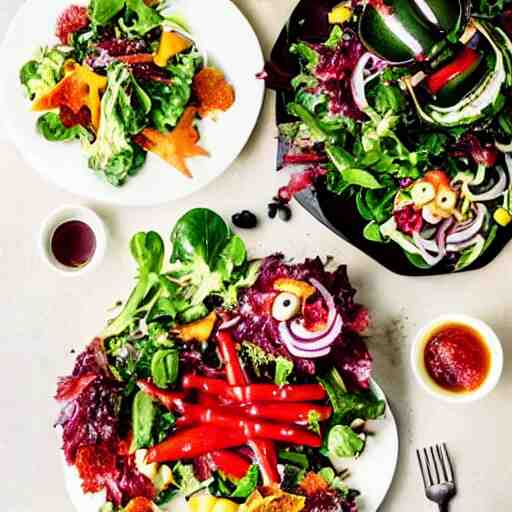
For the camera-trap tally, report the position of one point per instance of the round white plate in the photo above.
(372, 473)
(219, 28)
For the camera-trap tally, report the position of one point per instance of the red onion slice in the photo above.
(430, 217)
(324, 341)
(441, 234)
(289, 342)
(357, 81)
(229, 323)
(429, 259)
(472, 229)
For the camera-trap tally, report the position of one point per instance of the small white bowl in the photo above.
(488, 336)
(65, 214)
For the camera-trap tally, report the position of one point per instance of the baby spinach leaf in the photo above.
(361, 178)
(372, 232)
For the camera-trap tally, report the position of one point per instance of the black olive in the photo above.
(272, 210)
(245, 220)
(285, 213)
(213, 301)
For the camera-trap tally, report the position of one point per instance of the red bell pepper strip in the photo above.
(264, 449)
(291, 413)
(172, 400)
(252, 428)
(255, 392)
(231, 463)
(136, 58)
(467, 58)
(193, 442)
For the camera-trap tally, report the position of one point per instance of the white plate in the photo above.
(218, 27)
(372, 473)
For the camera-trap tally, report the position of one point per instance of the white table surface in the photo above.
(43, 316)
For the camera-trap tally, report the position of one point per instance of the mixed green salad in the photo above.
(404, 107)
(125, 78)
(224, 384)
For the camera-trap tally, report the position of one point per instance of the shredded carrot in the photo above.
(174, 147)
(213, 91)
(139, 505)
(313, 483)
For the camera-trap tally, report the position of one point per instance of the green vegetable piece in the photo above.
(335, 37)
(51, 128)
(248, 483)
(40, 75)
(316, 131)
(297, 459)
(362, 207)
(310, 56)
(102, 11)
(146, 18)
(314, 422)
(148, 251)
(165, 368)
(143, 416)
(349, 406)
(372, 232)
(344, 442)
(361, 178)
(123, 113)
(284, 368)
(186, 480)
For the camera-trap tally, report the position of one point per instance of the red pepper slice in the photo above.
(136, 58)
(173, 400)
(255, 392)
(460, 64)
(219, 416)
(193, 442)
(264, 449)
(231, 463)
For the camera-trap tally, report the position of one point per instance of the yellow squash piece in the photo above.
(207, 503)
(79, 88)
(197, 331)
(224, 505)
(171, 43)
(301, 289)
(340, 14)
(502, 217)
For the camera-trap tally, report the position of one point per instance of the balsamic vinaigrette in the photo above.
(73, 244)
(457, 358)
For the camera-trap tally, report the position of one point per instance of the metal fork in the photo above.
(438, 475)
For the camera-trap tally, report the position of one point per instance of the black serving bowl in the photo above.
(339, 214)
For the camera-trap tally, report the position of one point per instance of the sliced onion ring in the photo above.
(471, 230)
(496, 191)
(229, 323)
(289, 341)
(324, 341)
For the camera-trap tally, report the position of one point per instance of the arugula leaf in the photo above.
(51, 128)
(344, 442)
(186, 480)
(361, 178)
(335, 37)
(309, 56)
(248, 483)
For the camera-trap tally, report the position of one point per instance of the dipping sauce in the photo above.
(73, 244)
(457, 358)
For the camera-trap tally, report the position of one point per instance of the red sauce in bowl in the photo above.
(73, 244)
(457, 358)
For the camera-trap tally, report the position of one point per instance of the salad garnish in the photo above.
(126, 78)
(223, 382)
(401, 109)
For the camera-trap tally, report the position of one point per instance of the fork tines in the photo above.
(435, 465)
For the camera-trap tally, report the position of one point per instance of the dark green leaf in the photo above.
(51, 128)
(165, 368)
(297, 459)
(143, 415)
(102, 11)
(344, 442)
(372, 232)
(247, 484)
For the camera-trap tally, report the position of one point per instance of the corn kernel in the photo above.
(502, 217)
(340, 14)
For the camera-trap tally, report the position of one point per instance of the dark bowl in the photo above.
(340, 215)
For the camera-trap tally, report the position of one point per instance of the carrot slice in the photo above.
(176, 146)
